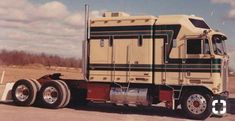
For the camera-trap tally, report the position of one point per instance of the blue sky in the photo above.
(56, 27)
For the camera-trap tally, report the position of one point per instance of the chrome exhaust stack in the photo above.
(85, 42)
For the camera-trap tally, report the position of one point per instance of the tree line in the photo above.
(23, 58)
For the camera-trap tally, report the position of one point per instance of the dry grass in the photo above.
(13, 74)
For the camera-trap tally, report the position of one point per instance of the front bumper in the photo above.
(222, 95)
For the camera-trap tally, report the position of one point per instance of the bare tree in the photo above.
(24, 58)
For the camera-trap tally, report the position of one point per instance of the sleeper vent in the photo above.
(115, 14)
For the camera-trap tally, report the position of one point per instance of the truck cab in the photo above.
(180, 54)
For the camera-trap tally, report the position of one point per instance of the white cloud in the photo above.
(231, 2)
(231, 13)
(12, 14)
(75, 20)
(49, 28)
(14, 4)
(97, 13)
(53, 9)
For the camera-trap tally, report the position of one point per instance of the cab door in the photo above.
(197, 64)
(140, 60)
(121, 60)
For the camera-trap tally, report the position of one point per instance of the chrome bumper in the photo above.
(224, 94)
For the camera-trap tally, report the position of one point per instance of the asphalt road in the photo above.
(100, 112)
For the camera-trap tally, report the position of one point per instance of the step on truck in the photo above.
(141, 60)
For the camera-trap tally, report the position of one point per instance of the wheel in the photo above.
(38, 85)
(197, 105)
(52, 94)
(24, 92)
(68, 93)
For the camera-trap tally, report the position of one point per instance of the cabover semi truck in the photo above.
(141, 60)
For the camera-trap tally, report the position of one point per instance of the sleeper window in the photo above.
(194, 46)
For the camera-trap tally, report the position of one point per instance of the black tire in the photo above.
(56, 91)
(199, 109)
(68, 93)
(25, 88)
(38, 85)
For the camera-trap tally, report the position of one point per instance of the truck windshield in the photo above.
(219, 45)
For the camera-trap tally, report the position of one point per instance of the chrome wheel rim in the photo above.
(196, 104)
(22, 93)
(50, 95)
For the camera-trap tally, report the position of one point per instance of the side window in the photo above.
(194, 46)
(206, 47)
(102, 43)
(140, 40)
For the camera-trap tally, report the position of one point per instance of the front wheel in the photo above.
(197, 105)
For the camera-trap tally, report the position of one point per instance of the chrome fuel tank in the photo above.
(136, 96)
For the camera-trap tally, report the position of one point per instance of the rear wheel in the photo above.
(24, 92)
(68, 93)
(53, 94)
(38, 85)
(197, 105)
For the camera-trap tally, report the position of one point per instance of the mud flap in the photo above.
(6, 94)
(167, 96)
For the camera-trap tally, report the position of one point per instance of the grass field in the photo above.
(15, 73)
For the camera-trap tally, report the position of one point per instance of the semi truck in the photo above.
(140, 60)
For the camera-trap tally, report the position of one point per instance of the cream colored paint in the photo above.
(126, 51)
